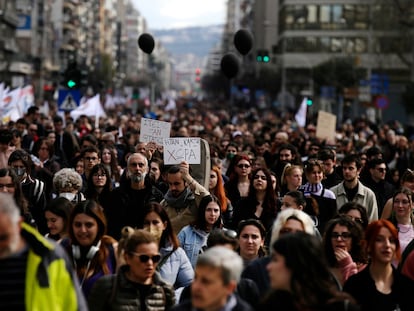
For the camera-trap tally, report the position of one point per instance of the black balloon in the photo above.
(230, 65)
(243, 41)
(146, 43)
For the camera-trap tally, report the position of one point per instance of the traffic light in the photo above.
(198, 72)
(263, 56)
(309, 101)
(72, 77)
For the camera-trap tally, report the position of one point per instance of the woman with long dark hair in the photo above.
(91, 250)
(343, 247)
(193, 237)
(10, 183)
(300, 277)
(110, 161)
(261, 202)
(99, 185)
(239, 172)
(57, 214)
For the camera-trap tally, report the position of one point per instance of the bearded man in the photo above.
(128, 201)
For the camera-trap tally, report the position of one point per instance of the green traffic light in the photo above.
(71, 83)
(309, 102)
(266, 59)
(259, 58)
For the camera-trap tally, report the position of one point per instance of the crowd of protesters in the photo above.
(137, 232)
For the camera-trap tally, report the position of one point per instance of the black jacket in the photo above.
(127, 206)
(117, 293)
(362, 287)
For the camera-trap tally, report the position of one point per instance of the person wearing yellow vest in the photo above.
(35, 273)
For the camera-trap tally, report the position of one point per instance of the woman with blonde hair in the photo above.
(288, 221)
(291, 178)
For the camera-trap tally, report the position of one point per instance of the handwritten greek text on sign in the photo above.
(154, 131)
(178, 149)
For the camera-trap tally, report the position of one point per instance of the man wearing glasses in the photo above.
(91, 157)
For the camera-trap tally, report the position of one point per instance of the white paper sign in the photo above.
(154, 130)
(178, 149)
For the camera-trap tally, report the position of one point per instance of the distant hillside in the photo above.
(193, 40)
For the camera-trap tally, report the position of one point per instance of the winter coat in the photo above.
(176, 269)
(117, 293)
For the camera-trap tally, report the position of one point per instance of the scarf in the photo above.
(311, 188)
(182, 200)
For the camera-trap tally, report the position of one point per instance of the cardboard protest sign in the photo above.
(326, 125)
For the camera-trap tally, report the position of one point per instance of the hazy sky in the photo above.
(161, 14)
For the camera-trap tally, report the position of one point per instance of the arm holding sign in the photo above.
(198, 190)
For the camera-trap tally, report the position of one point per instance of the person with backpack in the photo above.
(137, 285)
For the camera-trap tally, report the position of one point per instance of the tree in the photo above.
(338, 72)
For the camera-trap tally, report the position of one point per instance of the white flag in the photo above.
(300, 116)
(9, 105)
(91, 107)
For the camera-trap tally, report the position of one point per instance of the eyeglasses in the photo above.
(381, 169)
(243, 165)
(144, 258)
(262, 177)
(6, 185)
(90, 158)
(344, 235)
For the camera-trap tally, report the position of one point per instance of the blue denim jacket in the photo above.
(192, 240)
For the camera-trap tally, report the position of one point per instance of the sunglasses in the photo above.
(260, 177)
(145, 258)
(243, 165)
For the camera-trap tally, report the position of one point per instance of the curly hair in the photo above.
(67, 178)
(357, 251)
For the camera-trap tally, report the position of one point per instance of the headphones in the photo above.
(91, 252)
